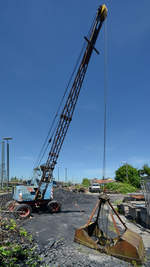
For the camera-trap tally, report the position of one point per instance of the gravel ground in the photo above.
(60, 254)
(54, 233)
(4, 198)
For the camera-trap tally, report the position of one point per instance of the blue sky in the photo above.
(40, 43)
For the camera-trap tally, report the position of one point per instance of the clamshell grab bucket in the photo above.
(84, 234)
(127, 246)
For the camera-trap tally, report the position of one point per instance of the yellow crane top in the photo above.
(103, 12)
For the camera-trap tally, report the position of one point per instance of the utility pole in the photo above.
(7, 139)
(127, 171)
(58, 174)
(65, 175)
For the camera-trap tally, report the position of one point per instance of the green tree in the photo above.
(128, 174)
(14, 179)
(86, 182)
(145, 170)
(17, 180)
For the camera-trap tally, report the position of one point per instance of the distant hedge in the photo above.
(122, 188)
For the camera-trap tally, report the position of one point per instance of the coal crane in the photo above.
(27, 198)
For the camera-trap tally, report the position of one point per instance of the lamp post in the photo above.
(65, 175)
(7, 139)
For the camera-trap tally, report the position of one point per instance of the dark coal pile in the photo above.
(58, 253)
(67, 197)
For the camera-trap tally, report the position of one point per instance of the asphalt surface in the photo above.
(55, 233)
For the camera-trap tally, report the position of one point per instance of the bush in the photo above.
(16, 246)
(122, 188)
(86, 182)
(128, 174)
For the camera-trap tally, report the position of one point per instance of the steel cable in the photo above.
(48, 138)
(44, 147)
(105, 97)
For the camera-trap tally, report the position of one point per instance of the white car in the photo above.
(94, 188)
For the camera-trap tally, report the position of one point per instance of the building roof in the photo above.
(104, 181)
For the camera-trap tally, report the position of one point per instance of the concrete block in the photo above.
(123, 209)
(145, 217)
(134, 213)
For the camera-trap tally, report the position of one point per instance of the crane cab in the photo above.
(24, 202)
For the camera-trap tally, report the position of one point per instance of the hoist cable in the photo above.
(48, 138)
(57, 112)
(78, 60)
(93, 21)
(107, 219)
(45, 147)
(105, 97)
